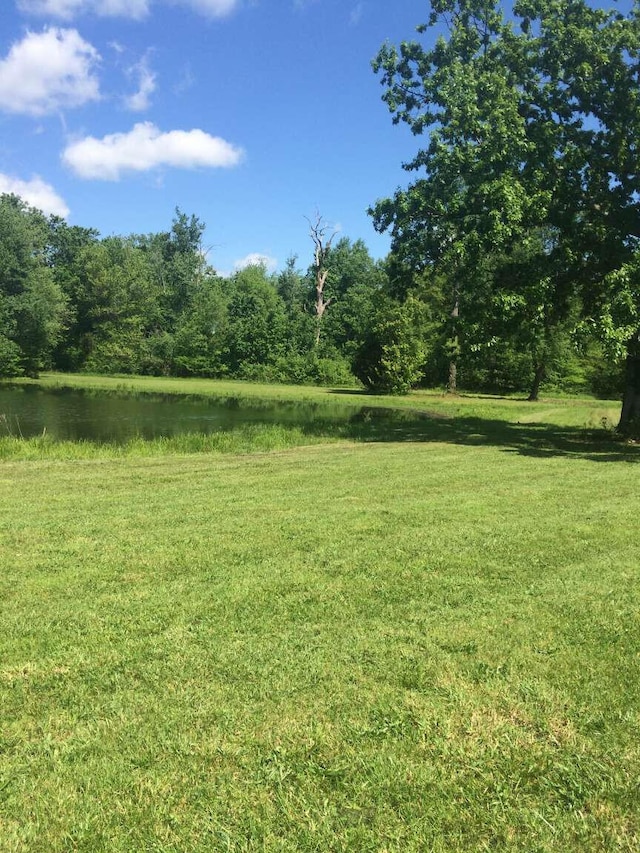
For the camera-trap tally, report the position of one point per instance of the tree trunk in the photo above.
(322, 245)
(319, 313)
(452, 383)
(537, 382)
(630, 416)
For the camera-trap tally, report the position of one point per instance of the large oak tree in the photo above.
(532, 125)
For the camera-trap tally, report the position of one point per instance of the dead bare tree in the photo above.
(318, 230)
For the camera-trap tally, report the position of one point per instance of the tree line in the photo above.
(71, 300)
(515, 250)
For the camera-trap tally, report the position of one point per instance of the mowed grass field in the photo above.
(424, 641)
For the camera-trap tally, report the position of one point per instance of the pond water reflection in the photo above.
(74, 415)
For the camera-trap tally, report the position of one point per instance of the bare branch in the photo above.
(318, 230)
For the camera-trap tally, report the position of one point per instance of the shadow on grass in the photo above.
(538, 440)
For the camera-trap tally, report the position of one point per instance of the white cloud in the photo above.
(35, 192)
(140, 100)
(68, 9)
(356, 14)
(256, 259)
(48, 71)
(185, 81)
(144, 148)
(213, 8)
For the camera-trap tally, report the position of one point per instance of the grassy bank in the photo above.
(254, 438)
(425, 641)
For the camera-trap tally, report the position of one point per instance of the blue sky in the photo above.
(252, 114)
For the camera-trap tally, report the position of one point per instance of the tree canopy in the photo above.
(532, 126)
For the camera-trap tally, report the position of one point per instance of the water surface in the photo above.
(102, 416)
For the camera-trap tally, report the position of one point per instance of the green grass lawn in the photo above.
(420, 640)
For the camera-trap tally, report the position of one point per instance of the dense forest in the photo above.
(72, 300)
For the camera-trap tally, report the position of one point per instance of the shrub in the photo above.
(391, 358)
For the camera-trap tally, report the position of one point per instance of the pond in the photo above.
(75, 415)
